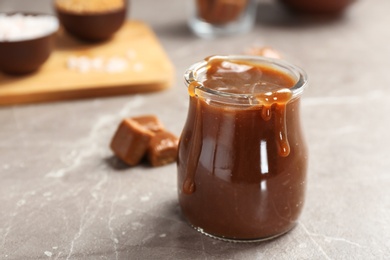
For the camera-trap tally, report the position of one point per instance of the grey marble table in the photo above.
(64, 196)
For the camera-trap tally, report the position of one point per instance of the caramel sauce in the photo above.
(279, 99)
(220, 11)
(223, 75)
(196, 145)
(242, 168)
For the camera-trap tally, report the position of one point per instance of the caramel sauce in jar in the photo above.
(220, 11)
(242, 157)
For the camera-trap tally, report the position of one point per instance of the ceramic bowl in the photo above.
(90, 26)
(318, 6)
(26, 54)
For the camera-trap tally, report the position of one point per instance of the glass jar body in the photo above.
(243, 189)
(234, 180)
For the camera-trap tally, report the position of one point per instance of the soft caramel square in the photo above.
(150, 122)
(162, 149)
(131, 141)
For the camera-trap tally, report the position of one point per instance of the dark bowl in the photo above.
(26, 56)
(92, 26)
(318, 6)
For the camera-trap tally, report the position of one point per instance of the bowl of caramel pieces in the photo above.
(94, 20)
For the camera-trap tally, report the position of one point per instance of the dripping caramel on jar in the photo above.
(242, 158)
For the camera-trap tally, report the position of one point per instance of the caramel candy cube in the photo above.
(163, 149)
(131, 141)
(150, 122)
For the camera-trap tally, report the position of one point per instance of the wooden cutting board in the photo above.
(148, 69)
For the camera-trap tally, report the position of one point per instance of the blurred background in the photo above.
(62, 198)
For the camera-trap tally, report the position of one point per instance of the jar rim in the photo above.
(192, 73)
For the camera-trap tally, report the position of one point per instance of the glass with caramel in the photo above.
(213, 18)
(242, 156)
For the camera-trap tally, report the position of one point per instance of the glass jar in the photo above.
(213, 18)
(242, 157)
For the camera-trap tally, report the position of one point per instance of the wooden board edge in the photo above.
(83, 94)
(58, 95)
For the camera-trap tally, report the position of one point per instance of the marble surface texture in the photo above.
(64, 196)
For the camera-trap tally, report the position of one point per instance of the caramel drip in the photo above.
(195, 145)
(266, 99)
(266, 112)
(281, 130)
(279, 98)
(191, 89)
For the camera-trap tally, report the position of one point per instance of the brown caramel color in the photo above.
(318, 6)
(131, 141)
(220, 11)
(92, 26)
(242, 169)
(150, 122)
(162, 149)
